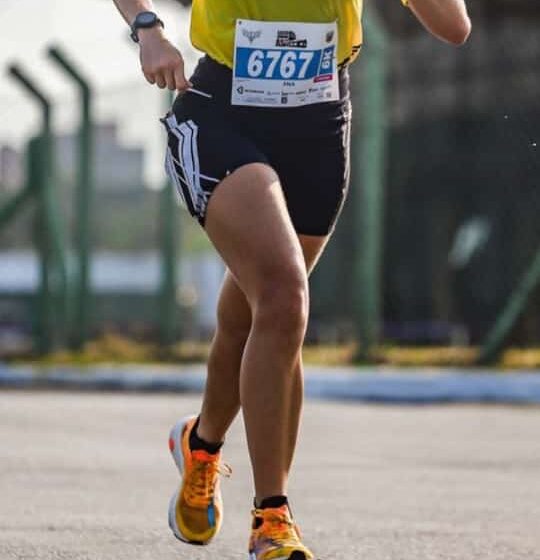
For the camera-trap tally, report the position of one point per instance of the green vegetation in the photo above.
(114, 348)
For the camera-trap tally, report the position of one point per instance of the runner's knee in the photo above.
(282, 301)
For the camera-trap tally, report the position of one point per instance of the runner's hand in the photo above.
(161, 62)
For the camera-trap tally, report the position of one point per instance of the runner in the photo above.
(258, 149)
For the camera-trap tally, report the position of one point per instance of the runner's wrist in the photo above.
(150, 34)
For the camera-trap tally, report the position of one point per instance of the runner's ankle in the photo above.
(196, 442)
(271, 502)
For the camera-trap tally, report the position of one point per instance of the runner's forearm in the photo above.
(446, 19)
(130, 8)
(161, 62)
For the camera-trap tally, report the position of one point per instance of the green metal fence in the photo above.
(62, 312)
(438, 244)
(51, 310)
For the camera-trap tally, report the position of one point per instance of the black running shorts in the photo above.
(308, 147)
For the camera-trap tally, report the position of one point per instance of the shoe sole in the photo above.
(293, 556)
(175, 435)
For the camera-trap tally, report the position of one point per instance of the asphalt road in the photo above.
(88, 476)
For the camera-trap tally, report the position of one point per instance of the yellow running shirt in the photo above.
(213, 22)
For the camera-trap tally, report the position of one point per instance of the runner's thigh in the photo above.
(248, 222)
(204, 146)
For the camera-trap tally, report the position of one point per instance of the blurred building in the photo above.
(11, 169)
(126, 220)
(117, 166)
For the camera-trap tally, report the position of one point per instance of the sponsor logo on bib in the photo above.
(288, 39)
(251, 35)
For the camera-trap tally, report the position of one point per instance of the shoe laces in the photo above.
(205, 470)
(277, 526)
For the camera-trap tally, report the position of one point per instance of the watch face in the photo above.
(146, 18)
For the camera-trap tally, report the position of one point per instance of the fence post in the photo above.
(507, 319)
(79, 321)
(50, 240)
(368, 161)
(169, 233)
(44, 323)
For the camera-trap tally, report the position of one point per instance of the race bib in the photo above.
(283, 64)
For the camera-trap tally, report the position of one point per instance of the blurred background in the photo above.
(436, 258)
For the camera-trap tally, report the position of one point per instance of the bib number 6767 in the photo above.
(279, 64)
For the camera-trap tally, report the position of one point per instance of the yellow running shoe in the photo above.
(274, 536)
(196, 509)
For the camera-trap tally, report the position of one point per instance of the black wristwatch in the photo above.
(144, 20)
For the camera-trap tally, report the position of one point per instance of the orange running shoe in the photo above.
(275, 536)
(196, 509)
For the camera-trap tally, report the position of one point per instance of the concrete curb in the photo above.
(383, 385)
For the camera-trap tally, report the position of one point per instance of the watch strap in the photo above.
(138, 24)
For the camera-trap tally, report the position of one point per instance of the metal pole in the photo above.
(369, 164)
(44, 318)
(12, 206)
(169, 250)
(516, 304)
(79, 322)
(53, 272)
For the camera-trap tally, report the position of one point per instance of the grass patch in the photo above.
(115, 348)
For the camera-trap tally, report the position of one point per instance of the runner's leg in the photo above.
(312, 246)
(248, 222)
(221, 401)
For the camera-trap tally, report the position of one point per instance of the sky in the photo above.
(94, 35)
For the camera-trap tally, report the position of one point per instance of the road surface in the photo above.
(88, 477)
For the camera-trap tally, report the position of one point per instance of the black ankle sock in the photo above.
(195, 442)
(273, 502)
